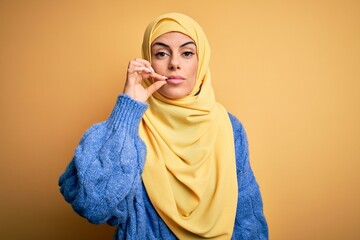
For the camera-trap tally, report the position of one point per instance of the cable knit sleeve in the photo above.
(105, 172)
(250, 222)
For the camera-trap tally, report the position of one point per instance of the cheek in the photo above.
(158, 66)
(192, 75)
(194, 68)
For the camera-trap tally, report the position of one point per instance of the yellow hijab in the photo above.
(190, 170)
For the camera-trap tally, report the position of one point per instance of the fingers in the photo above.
(148, 73)
(139, 70)
(140, 63)
(145, 63)
(158, 76)
(142, 66)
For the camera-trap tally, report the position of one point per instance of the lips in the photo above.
(175, 79)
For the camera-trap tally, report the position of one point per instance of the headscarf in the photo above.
(190, 169)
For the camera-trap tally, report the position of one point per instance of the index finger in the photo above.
(158, 76)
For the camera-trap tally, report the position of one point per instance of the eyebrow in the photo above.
(167, 46)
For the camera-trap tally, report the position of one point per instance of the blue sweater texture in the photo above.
(103, 181)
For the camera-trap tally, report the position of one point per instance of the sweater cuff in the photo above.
(127, 113)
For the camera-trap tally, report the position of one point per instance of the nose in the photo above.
(174, 64)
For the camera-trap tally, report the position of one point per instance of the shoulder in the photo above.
(234, 121)
(238, 128)
(240, 143)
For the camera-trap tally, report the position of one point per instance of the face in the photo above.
(173, 55)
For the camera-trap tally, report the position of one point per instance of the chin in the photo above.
(172, 95)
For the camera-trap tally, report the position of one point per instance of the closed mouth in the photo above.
(172, 77)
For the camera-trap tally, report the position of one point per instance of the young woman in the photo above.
(170, 162)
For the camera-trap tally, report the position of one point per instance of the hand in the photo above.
(138, 70)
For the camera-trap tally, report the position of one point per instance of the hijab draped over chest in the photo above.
(190, 169)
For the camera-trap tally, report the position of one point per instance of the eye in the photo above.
(188, 54)
(161, 54)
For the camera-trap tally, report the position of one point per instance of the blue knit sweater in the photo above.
(103, 181)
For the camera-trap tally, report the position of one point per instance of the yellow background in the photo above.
(289, 70)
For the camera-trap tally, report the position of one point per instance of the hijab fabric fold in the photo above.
(190, 169)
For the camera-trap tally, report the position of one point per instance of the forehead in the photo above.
(173, 39)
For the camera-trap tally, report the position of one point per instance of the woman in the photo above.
(170, 162)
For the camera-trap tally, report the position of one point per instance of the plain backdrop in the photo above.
(289, 70)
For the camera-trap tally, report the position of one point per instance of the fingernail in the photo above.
(166, 78)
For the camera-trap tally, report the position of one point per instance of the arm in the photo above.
(106, 168)
(101, 180)
(250, 222)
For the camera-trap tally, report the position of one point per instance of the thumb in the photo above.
(155, 86)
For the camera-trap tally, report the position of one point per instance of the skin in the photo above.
(173, 68)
